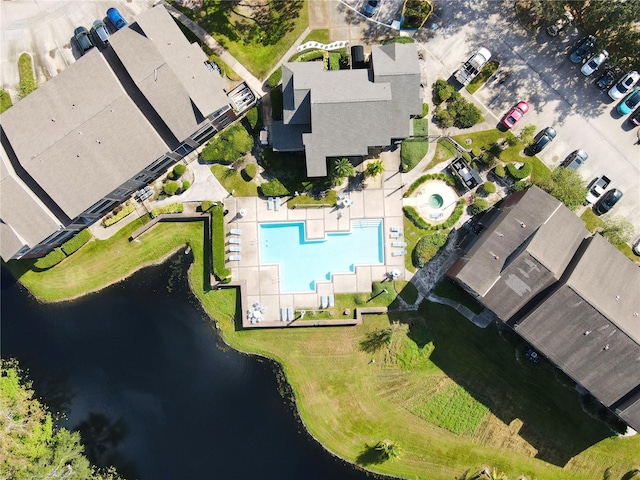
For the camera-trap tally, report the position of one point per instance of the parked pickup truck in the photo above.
(472, 67)
(597, 188)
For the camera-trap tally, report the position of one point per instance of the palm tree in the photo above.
(388, 449)
(375, 168)
(343, 168)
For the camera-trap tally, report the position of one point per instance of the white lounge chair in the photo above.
(283, 314)
(291, 314)
(234, 258)
(270, 203)
(235, 231)
(324, 301)
(278, 203)
(398, 244)
(398, 253)
(395, 234)
(235, 248)
(234, 241)
(396, 229)
(332, 300)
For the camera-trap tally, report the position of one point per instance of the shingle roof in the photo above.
(169, 71)
(90, 138)
(347, 111)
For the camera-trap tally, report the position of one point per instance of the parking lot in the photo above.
(45, 30)
(542, 74)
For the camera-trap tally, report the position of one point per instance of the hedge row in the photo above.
(58, 254)
(430, 176)
(307, 55)
(126, 210)
(217, 244)
(52, 258)
(207, 205)
(427, 247)
(413, 215)
(250, 171)
(519, 173)
(72, 245)
(273, 188)
(334, 61)
(171, 208)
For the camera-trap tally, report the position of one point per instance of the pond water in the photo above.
(140, 371)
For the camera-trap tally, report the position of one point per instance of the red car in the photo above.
(515, 114)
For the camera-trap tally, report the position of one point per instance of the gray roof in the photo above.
(523, 249)
(631, 415)
(346, 111)
(169, 71)
(90, 138)
(23, 219)
(288, 138)
(605, 361)
(610, 283)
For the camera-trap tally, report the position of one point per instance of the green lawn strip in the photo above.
(27, 79)
(218, 243)
(412, 151)
(411, 236)
(232, 179)
(329, 200)
(420, 127)
(448, 289)
(320, 35)
(5, 101)
(347, 401)
(258, 45)
(484, 75)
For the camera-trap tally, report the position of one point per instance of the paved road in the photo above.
(559, 95)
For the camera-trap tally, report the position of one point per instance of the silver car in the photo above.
(594, 63)
(100, 32)
(625, 84)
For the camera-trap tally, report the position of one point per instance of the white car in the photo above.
(594, 63)
(621, 88)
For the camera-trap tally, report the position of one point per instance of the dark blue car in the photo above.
(116, 18)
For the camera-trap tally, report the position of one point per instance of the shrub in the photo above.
(273, 188)
(443, 119)
(476, 152)
(307, 56)
(442, 91)
(499, 170)
(179, 170)
(413, 215)
(123, 212)
(52, 258)
(478, 206)
(76, 242)
(520, 185)
(5, 100)
(206, 205)
(27, 80)
(427, 247)
(252, 117)
(467, 114)
(466, 156)
(275, 78)
(430, 176)
(425, 110)
(519, 173)
(489, 187)
(170, 188)
(397, 40)
(186, 184)
(250, 171)
(171, 208)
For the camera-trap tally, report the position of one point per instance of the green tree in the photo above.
(478, 206)
(526, 134)
(618, 230)
(568, 187)
(375, 168)
(343, 168)
(388, 450)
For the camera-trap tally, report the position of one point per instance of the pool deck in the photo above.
(383, 200)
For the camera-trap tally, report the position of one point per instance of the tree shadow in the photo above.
(370, 456)
(101, 437)
(374, 341)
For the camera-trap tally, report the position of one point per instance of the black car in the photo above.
(607, 201)
(584, 48)
(81, 35)
(635, 117)
(542, 139)
(607, 80)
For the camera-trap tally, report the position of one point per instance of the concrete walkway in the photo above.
(482, 320)
(205, 186)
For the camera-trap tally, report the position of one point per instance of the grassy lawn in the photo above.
(320, 35)
(328, 200)
(258, 42)
(421, 127)
(5, 100)
(484, 140)
(232, 179)
(444, 152)
(412, 151)
(484, 75)
(27, 80)
(435, 388)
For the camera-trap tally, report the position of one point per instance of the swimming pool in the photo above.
(305, 262)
